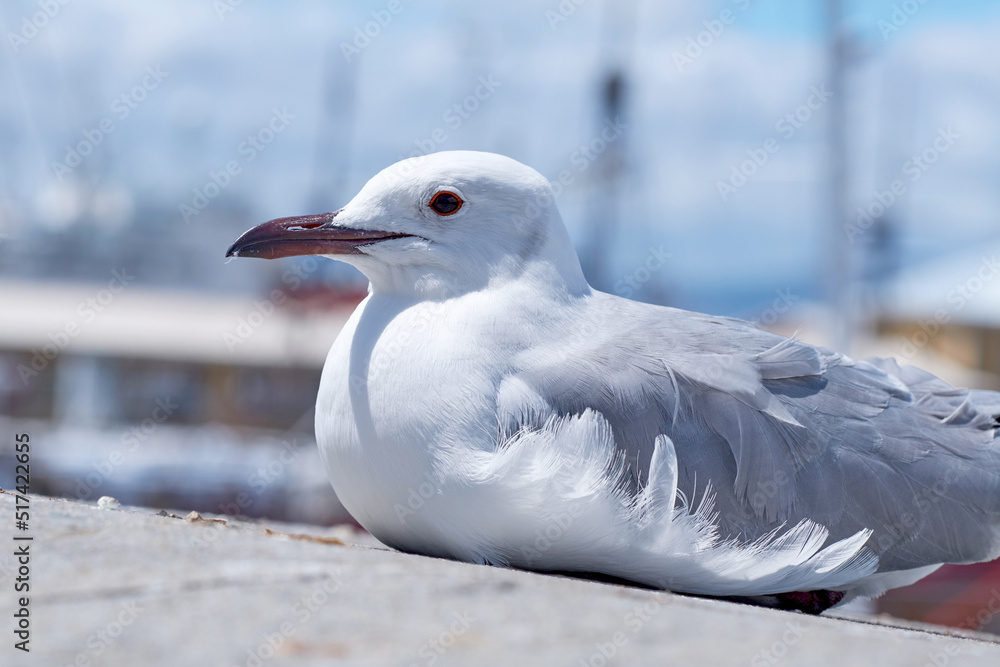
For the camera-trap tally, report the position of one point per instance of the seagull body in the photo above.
(485, 404)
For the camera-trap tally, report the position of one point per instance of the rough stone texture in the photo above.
(176, 591)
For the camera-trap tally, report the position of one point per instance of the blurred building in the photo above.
(946, 312)
(170, 398)
(950, 307)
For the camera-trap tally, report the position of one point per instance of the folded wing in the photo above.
(783, 431)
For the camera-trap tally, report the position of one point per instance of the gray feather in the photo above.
(785, 431)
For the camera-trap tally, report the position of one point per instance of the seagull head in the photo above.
(442, 224)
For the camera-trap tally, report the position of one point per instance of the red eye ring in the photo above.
(446, 203)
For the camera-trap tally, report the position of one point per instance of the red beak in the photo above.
(304, 235)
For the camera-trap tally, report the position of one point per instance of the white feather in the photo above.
(564, 507)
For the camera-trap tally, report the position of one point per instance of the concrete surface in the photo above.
(130, 587)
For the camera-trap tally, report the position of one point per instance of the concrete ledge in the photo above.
(130, 587)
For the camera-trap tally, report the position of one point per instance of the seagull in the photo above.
(483, 403)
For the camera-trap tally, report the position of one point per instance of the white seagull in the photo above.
(485, 404)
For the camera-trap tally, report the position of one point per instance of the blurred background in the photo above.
(824, 166)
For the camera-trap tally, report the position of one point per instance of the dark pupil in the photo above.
(445, 202)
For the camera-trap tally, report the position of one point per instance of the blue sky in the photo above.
(686, 129)
(788, 19)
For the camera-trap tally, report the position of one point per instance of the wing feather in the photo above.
(787, 432)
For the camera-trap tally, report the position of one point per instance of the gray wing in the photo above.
(781, 430)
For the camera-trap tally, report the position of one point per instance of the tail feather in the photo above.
(570, 467)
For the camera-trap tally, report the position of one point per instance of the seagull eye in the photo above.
(446, 203)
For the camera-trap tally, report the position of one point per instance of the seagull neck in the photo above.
(558, 273)
(413, 284)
